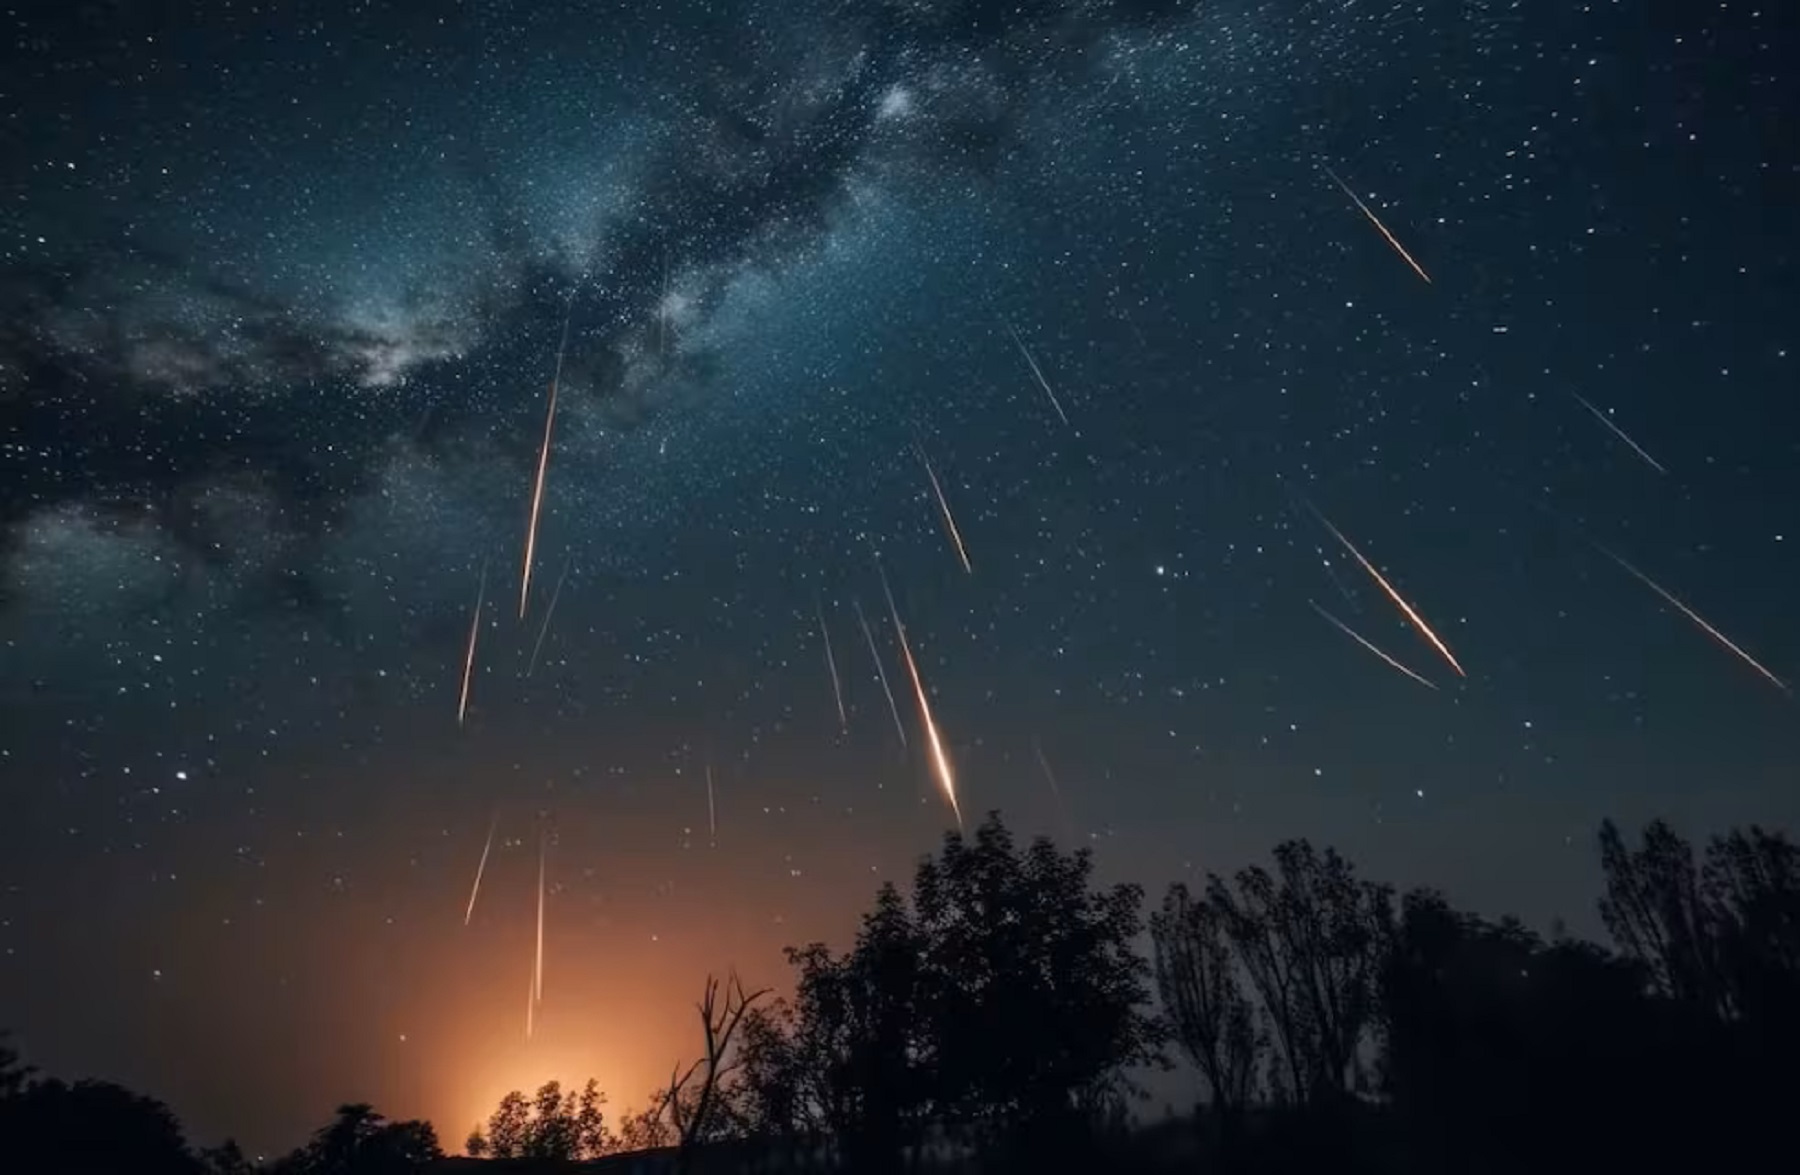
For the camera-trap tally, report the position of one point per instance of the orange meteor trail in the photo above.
(481, 868)
(1723, 640)
(1376, 221)
(940, 761)
(555, 595)
(462, 705)
(962, 552)
(837, 690)
(880, 671)
(1393, 595)
(1037, 371)
(1359, 639)
(537, 491)
(1619, 432)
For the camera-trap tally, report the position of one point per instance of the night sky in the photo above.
(282, 292)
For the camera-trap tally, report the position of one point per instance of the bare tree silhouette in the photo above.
(1203, 995)
(693, 1119)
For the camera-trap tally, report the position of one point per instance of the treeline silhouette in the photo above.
(999, 1017)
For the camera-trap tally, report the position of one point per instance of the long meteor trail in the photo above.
(1603, 418)
(1037, 371)
(1399, 601)
(1376, 221)
(481, 868)
(1369, 645)
(543, 465)
(837, 689)
(940, 761)
(962, 552)
(880, 671)
(1724, 641)
(462, 704)
(537, 980)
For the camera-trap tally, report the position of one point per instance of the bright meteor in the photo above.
(1376, 221)
(481, 868)
(1399, 601)
(1037, 371)
(940, 761)
(543, 465)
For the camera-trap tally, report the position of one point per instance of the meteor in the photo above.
(712, 812)
(940, 761)
(537, 980)
(1361, 640)
(1062, 810)
(481, 868)
(880, 671)
(462, 705)
(962, 552)
(1376, 221)
(1037, 371)
(1723, 640)
(1399, 601)
(837, 690)
(1603, 418)
(555, 595)
(543, 465)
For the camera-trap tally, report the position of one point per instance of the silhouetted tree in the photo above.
(554, 1125)
(1311, 939)
(14, 1073)
(91, 1126)
(226, 1159)
(694, 1108)
(1033, 998)
(648, 1128)
(1203, 996)
(360, 1141)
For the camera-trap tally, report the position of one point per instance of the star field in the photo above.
(281, 299)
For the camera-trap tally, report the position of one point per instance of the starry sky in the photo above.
(283, 291)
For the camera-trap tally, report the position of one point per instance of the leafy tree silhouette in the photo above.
(1004, 997)
(554, 1125)
(360, 1141)
(91, 1126)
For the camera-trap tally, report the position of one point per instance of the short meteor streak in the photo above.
(837, 689)
(1376, 221)
(712, 811)
(1062, 810)
(1369, 645)
(555, 595)
(940, 761)
(1603, 418)
(1037, 371)
(543, 465)
(962, 552)
(462, 704)
(880, 671)
(1723, 640)
(481, 868)
(1399, 601)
